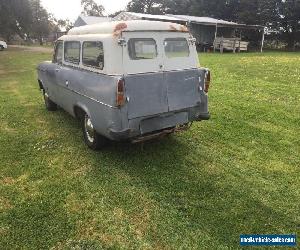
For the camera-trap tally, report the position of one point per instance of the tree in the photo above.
(289, 23)
(28, 19)
(64, 24)
(147, 6)
(220, 9)
(15, 18)
(91, 8)
(178, 7)
(41, 21)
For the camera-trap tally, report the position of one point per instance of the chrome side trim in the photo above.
(93, 99)
(162, 71)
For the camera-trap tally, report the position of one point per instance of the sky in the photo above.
(71, 9)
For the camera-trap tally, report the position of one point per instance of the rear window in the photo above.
(72, 52)
(142, 48)
(176, 47)
(93, 55)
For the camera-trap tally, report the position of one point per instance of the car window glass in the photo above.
(176, 47)
(72, 52)
(58, 52)
(142, 49)
(93, 55)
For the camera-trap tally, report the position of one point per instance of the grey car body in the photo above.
(155, 99)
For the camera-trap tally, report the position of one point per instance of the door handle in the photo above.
(57, 70)
(67, 83)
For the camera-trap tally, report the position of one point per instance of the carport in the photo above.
(210, 33)
(221, 34)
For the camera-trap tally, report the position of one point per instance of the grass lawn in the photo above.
(238, 173)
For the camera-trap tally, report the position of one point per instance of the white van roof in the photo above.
(116, 27)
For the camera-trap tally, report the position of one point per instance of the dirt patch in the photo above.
(5, 127)
(7, 181)
(5, 204)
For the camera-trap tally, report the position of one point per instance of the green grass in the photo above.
(237, 173)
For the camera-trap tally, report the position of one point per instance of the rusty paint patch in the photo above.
(183, 28)
(172, 27)
(119, 28)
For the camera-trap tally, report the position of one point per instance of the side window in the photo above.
(72, 52)
(57, 58)
(176, 47)
(93, 55)
(142, 48)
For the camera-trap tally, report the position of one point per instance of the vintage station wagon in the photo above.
(131, 80)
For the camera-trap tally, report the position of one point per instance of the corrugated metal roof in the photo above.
(172, 18)
(182, 19)
(208, 20)
(94, 19)
(135, 16)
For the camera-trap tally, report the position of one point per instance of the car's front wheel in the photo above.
(92, 139)
(50, 105)
(1, 48)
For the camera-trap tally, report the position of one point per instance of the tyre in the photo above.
(1, 48)
(92, 139)
(50, 105)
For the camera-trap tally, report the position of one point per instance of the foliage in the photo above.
(282, 17)
(41, 23)
(15, 18)
(64, 24)
(28, 19)
(91, 8)
(289, 24)
(237, 173)
(147, 6)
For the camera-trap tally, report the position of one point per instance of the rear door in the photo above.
(180, 71)
(144, 79)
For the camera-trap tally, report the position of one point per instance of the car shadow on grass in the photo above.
(197, 194)
(191, 193)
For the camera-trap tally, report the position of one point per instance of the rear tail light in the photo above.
(121, 92)
(207, 81)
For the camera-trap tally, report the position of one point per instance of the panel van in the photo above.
(129, 80)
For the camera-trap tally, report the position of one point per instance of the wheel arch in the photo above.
(79, 110)
(41, 85)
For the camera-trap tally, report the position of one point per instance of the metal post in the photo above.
(222, 45)
(216, 33)
(262, 40)
(234, 44)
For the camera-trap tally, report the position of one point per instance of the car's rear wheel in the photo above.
(1, 48)
(92, 139)
(50, 105)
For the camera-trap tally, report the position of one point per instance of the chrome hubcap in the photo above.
(89, 129)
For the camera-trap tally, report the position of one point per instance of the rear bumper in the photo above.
(203, 117)
(120, 135)
(125, 135)
(155, 127)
